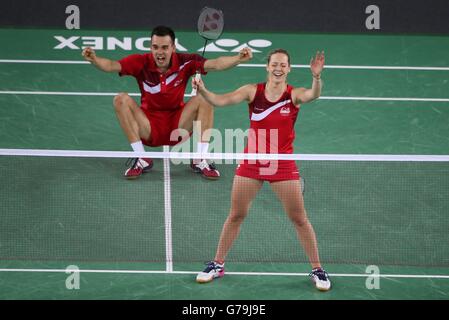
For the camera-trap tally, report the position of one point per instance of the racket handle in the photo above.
(197, 77)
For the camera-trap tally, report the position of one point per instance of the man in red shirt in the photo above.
(162, 117)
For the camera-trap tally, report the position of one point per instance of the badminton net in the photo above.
(76, 205)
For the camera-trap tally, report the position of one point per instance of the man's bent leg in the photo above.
(132, 119)
(136, 126)
(200, 113)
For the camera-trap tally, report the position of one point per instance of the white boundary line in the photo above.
(419, 276)
(44, 61)
(250, 65)
(111, 94)
(384, 99)
(223, 156)
(65, 93)
(168, 215)
(305, 66)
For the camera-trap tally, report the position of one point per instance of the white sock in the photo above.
(137, 146)
(203, 147)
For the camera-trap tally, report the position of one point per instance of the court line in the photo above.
(65, 93)
(68, 270)
(44, 61)
(384, 99)
(305, 66)
(111, 94)
(222, 156)
(250, 65)
(168, 215)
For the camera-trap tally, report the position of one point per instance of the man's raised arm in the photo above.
(223, 63)
(102, 64)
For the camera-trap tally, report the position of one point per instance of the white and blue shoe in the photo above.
(321, 279)
(213, 270)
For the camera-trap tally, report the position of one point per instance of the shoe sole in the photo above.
(131, 177)
(321, 289)
(210, 178)
(207, 281)
(204, 281)
(205, 177)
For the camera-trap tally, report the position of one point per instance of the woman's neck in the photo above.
(274, 90)
(275, 87)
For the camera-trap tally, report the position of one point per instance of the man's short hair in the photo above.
(162, 31)
(283, 51)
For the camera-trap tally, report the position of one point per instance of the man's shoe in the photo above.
(207, 169)
(137, 166)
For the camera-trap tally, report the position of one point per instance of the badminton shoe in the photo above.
(137, 166)
(321, 279)
(207, 169)
(213, 270)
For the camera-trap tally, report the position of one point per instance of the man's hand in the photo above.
(317, 64)
(245, 54)
(198, 84)
(100, 63)
(89, 54)
(224, 63)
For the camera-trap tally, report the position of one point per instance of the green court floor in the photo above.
(58, 212)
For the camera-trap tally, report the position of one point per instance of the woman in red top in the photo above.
(273, 109)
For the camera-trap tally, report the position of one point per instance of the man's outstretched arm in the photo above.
(223, 63)
(102, 64)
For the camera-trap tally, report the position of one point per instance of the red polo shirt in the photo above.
(162, 91)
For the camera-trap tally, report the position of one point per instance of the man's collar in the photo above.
(174, 64)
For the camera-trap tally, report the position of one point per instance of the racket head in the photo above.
(210, 23)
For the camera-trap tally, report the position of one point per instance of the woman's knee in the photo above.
(299, 218)
(237, 216)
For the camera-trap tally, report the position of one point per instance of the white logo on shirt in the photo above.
(285, 110)
(154, 89)
(266, 113)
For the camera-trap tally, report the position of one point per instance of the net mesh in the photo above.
(76, 207)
